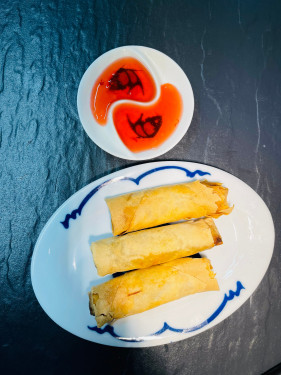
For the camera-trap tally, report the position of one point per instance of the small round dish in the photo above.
(163, 70)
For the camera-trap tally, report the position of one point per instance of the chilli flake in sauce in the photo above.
(144, 127)
(125, 78)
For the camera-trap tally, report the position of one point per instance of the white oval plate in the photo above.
(163, 70)
(62, 269)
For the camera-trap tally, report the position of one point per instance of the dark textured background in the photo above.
(231, 52)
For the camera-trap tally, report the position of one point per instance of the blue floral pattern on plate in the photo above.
(78, 211)
(166, 327)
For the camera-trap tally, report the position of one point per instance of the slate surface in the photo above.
(231, 52)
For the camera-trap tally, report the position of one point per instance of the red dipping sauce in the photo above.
(144, 127)
(126, 78)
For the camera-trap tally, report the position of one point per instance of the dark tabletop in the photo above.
(231, 53)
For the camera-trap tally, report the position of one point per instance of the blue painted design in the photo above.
(78, 211)
(166, 327)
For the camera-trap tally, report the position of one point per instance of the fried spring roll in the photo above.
(149, 247)
(166, 204)
(141, 290)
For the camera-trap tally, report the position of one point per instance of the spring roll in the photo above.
(166, 204)
(149, 247)
(141, 290)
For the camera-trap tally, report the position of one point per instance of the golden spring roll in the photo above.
(141, 290)
(166, 204)
(154, 246)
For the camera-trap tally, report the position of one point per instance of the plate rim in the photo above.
(124, 171)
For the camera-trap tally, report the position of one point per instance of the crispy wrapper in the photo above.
(149, 247)
(167, 204)
(144, 289)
